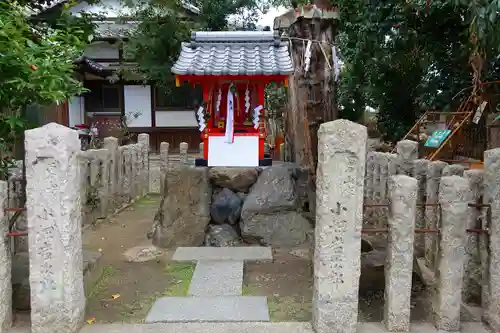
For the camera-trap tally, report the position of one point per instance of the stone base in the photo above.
(201, 162)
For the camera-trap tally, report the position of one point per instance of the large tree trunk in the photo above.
(311, 94)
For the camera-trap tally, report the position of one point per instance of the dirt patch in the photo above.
(287, 282)
(121, 291)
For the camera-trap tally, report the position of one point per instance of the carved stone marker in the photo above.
(339, 210)
(6, 264)
(54, 229)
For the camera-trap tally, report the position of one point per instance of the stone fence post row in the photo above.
(55, 192)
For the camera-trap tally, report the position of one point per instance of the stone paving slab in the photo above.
(223, 253)
(209, 309)
(255, 327)
(217, 278)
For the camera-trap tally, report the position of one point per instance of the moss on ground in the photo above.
(150, 199)
(284, 308)
(180, 277)
(289, 308)
(101, 283)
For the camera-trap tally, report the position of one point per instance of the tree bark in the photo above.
(311, 94)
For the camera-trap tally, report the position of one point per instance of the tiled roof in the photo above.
(234, 53)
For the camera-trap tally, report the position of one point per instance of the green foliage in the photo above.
(405, 57)
(36, 63)
(155, 44)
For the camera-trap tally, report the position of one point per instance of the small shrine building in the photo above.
(233, 68)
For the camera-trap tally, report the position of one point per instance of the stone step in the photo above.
(209, 309)
(223, 253)
(252, 327)
(217, 278)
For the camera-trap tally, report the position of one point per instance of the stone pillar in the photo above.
(54, 229)
(453, 170)
(420, 173)
(202, 148)
(183, 152)
(434, 171)
(369, 176)
(384, 176)
(139, 163)
(143, 140)
(104, 189)
(454, 196)
(392, 164)
(472, 268)
(121, 182)
(111, 144)
(368, 192)
(339, 209)
(164, 146)
(399, 266)
(379, 214)
(6, 264)
(492, 193)
(407, 152)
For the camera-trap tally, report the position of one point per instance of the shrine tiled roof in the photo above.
(234, 53)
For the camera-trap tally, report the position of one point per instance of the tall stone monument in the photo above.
(339, 212)
(54, 229)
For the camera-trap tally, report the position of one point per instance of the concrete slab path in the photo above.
(217, 278)
(209, 309)
(215, 290)
(247, 328)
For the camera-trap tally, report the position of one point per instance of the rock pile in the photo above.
(257, 206)
(231, 206)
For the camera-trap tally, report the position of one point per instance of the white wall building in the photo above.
(145, 106)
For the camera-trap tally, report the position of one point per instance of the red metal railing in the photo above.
(15, 210)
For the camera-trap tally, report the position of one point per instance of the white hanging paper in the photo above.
(247, 100)
(201, 118)
(256, 116)
(229, 135)
(217, 104)
(307, 56)
(336, 63)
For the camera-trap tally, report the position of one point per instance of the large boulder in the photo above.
(222, 236)
(269, 214)
(184, 211)
(274, 191)
(288, 228)
(235, 179)
(226, 207)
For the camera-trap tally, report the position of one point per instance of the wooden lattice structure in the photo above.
(463, 134)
